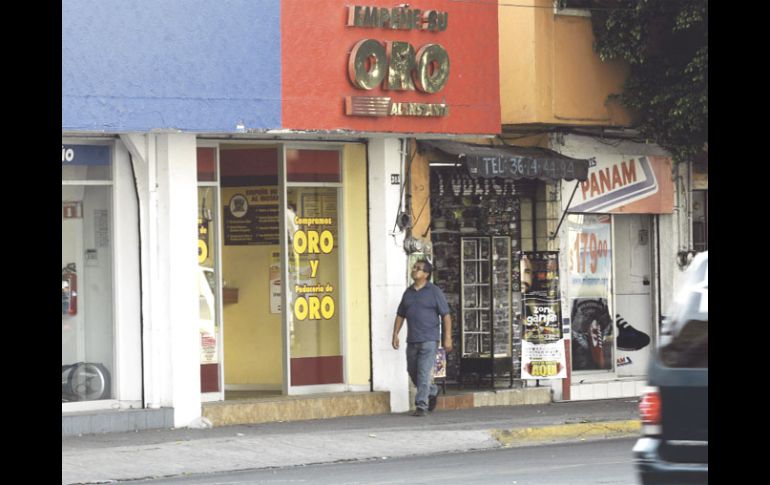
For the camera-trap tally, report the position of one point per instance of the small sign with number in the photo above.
(395, 179)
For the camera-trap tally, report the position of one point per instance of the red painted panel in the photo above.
(312, 165)
(209, 377)
(316, 44)
(249, 161)
(306, 371)
(206, 164)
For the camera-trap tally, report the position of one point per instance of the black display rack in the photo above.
(486, 310)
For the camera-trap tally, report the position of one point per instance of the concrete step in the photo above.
(115, 420)
(296, 408)
(499, 397)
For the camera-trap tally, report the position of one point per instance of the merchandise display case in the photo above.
(486, 311)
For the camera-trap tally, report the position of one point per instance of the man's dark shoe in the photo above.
(432, 402)
(419, 412)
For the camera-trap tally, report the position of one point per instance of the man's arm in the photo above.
(397, 328)
(447, 333)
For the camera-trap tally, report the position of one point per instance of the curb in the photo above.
(604, 429)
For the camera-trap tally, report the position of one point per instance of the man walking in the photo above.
(421, 306)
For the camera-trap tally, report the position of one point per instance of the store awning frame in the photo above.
(511, 162)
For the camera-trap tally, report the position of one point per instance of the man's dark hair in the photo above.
(426, 266)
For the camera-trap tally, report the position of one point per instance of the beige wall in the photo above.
(252, 335)
(549, 72)
(356, 264)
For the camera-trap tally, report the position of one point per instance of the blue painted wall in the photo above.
(193, 65)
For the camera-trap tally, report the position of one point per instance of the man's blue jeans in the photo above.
(420, 360)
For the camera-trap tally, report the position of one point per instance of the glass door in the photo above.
(312, 248)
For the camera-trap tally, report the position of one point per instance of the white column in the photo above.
(388, 271)
(174, 346)
(177, 155)
(127, 300)
(156, 363)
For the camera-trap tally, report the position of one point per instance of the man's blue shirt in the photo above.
(422, 308)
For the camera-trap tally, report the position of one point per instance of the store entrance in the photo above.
(279, 306)
(251, 268)
(633, 304)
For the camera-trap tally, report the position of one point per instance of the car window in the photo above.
(689, 347)
(685, 335)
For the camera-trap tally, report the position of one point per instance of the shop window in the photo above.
(87, 260)
(700, 220)
(590, 271)
(208, 268)
(86, 163)
(312, 165)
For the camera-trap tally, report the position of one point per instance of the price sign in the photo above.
(590, 255)
(588, 246)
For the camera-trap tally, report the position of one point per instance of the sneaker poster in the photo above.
(589, 277)
(591, 334)
(542, 345)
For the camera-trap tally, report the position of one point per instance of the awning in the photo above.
(511, 162)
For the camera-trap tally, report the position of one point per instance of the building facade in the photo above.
(244, 185)
(230, 178)
(625, 234)
(591, 258)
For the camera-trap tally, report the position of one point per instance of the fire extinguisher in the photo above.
(69, 290)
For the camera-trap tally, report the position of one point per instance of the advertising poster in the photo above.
(251, 215)
(274, 276)
(207, 316)
(590, 272)
(589, 255)
(591, 334)
(313, 265)
(633, 320)
(542, 346)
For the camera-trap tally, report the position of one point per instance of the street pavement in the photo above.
(110, 457)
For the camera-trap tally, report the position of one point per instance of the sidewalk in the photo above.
(164, 453)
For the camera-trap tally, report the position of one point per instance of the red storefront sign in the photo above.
(430, 67)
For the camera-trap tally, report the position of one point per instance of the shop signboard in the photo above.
(251, 215)
(624, 185)
(85, 154)
(314, 299)
(380, 66)
(542, 347)
(590, 270)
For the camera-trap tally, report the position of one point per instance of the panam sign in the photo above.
(631, 185)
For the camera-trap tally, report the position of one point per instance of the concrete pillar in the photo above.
(178, 247)
(127, 300)
(388, 271)
(172, 341)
